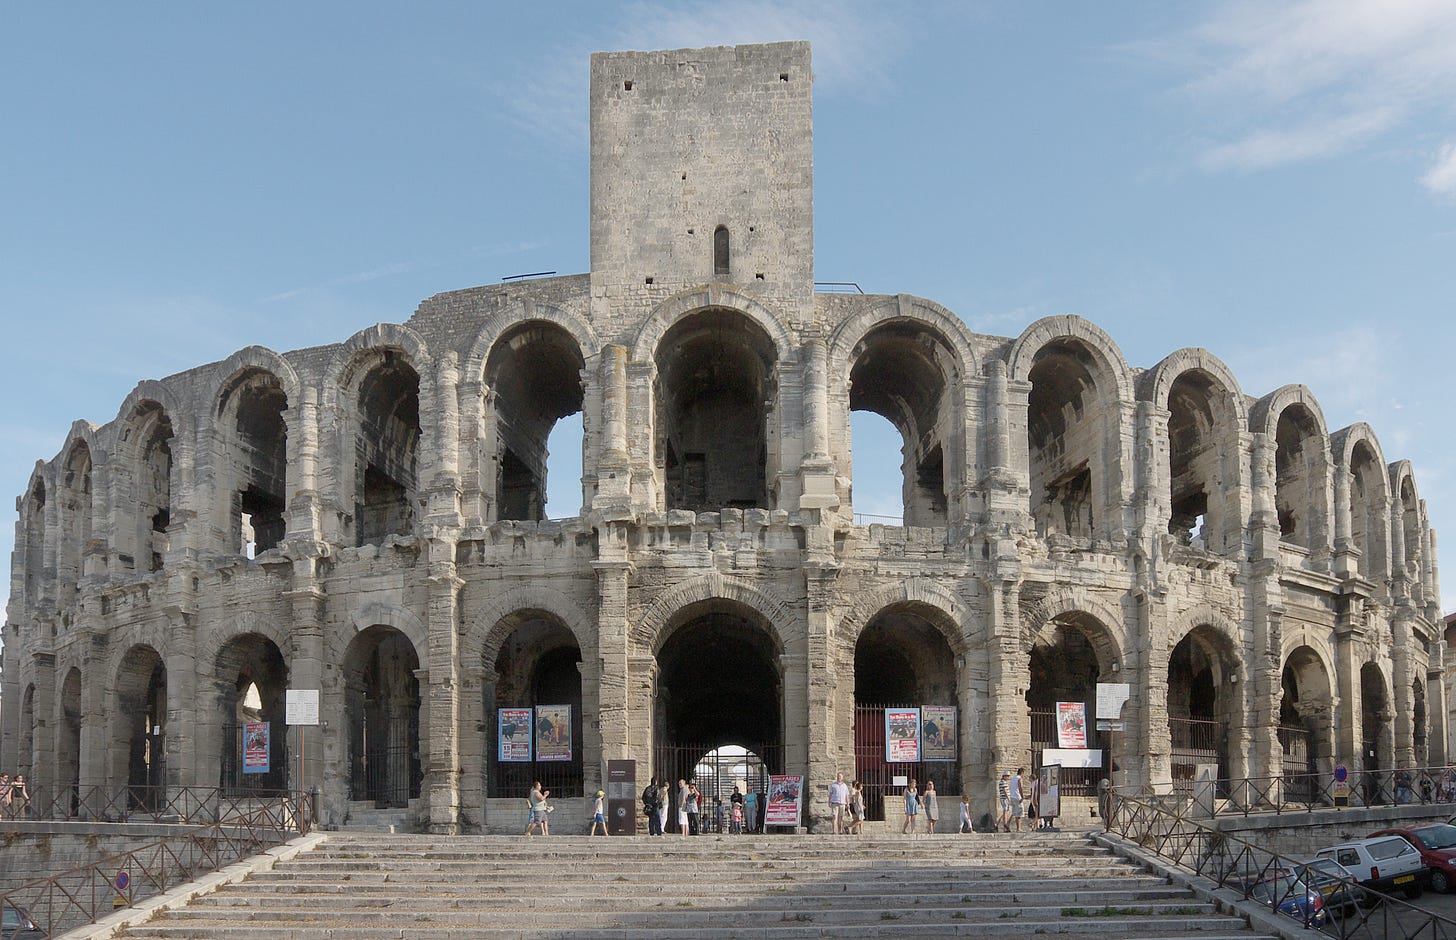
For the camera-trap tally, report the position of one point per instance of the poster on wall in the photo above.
(937, 732)
(1050, 805)
(255, 747)
(902, 735)
(553, 732)
(513, 735)
(785, 800)
(1071, 724)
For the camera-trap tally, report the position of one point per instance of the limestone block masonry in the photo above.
(367, 519)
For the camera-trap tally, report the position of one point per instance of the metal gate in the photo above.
(877, 774)
(1195, 741)
(1076, 781)
(235, 783)
(1296, 743)
(714, 771)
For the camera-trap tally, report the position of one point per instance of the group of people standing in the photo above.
(14, 797)
(925, 804)
(742, 814)
(1012, 796)
(847, 806)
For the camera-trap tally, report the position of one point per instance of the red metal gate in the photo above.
(876, 774)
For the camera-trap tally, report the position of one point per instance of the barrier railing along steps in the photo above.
(369, 886)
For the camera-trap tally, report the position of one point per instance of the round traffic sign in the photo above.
(122, 880)
(1341, 773)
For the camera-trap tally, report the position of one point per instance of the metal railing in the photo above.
(1233, 863)
(1287, 793)
(187, 805)
(84, 895)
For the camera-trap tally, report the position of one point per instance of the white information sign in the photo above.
(301, 706)
(1110, 698)
(1072, 756)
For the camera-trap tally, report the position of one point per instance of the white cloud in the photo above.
(1285, 83)
(1441, 177)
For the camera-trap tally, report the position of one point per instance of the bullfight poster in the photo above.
(785, 800)
(553, 732)
(255, 747)
(1071, 724)
(937, 732)
(513, 738)
(902, 735)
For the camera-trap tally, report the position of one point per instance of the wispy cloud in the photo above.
(1283, 83)
(855, 45)
(1441, 177)
(360, 277)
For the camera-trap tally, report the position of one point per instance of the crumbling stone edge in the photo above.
(113, 924)
(1224, 900)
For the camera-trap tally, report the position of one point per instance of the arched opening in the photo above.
(25, 752)
(721, 258)
(1419, 734)
(382, 711)
(35, 542)
(149, 435)
(253, 455)
(1368, 506)
(718, 683)
(1068, 658)
(903, 372)
(715, 395)
(139, 744)
(902, 660)
(1200, 669)
(534, 377)
(1299, 463)
(1410, 522)
(536, 675)
(1376, 719)
(719, 773)
(1203, 505)
(877, 485)
(386, 496)
(1306, 723)
(75, 513)
(1065, 431)
(68, 746)
(252, 682)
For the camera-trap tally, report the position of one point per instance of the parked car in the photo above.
(1381, 863)
(1437, 845)
(1342, 895)
(16, 926)
(1291, 896)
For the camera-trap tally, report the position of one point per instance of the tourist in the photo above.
(932, 807)
(838, 798)
(912, 807)
(599, 814)
(19, 797)
(1003, 798)
(4, 796)
(651, 798)
(856, 807)
(750, 811)
(965, 825)
(1014, 792)
(682, 807)
(1033, 803)
(1402, 786)
(694, 828)
(537, 810)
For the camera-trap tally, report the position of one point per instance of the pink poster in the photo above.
(255, 747)
(902, 735)
(1071, 724)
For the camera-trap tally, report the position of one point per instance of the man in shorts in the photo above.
(838, 799)
(1003, 799)
(1014, 791)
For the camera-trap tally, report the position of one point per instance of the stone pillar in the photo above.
(1346, 560)
(829, 752)
(10, 697)
(42, 758)
(1007, 722)
(305, 671)
(1402, 693)
(1436, 716)
(622, 737)
(303, 444)
(614, 467)
(95, 729)
(185, 767)
(1349, 748)
(1149, 759)
(442, 767)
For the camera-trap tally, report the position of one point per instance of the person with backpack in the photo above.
(651, 798)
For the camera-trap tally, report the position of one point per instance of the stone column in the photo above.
(1007, 724)
(184, 764)
(828, 750)
(303, 445)
(1149, 760)
(1436, 717)
(1346, 560)
(442, 767)
(42, 758)
(305, 672)
(91, 642)
(614, 468)
(1402, 695)
(624, 732)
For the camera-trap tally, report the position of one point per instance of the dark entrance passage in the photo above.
(138, 738)
(1065, 668)
(382, 706)
(718, 684)
(1197, 718)
(252, 681)
(538, 664)
(900, 661)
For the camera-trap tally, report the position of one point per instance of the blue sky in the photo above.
(1275, 182)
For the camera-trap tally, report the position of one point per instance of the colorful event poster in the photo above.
(1049, 804)
(513, 734)
(553, 732)
(902, 735)
(1071, 724)
(785, 800)
(255, 747)
(937, 732)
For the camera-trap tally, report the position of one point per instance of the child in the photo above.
(966, 813)
(737, 819)
(599, 816)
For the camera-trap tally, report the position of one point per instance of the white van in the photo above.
(1384, 863)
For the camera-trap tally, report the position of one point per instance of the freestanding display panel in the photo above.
(622, 797)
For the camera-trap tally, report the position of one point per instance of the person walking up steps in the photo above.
(1003, 799)
(599, 814)
(966, 825)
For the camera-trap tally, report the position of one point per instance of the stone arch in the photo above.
(381, 674)
(246, 622)
(1156, 384)
(151, 455)
(139, 699)
(1203, 706)
(1073, 608)
(521, 311)
(380, 614)
(68, 739)
(261, 359)
(782, 621)
(945, 611)
(943, 324)
(249, 450)
(1357, 454)
(699, 299)
(479, 644)
(25, 751)
(33, 512)
(1295, 431)
(76, 472)
(151, 390)
(1405, 522)
(1306, 712)
(1377, 717)
(1019, 359)
(1228, 632)
(342, 371)
(248, 660)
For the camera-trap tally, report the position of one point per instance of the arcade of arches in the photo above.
(367, 519)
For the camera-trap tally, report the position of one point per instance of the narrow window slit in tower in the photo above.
(627, 85)
(720, 251)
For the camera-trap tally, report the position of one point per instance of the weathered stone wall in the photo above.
(765, 622)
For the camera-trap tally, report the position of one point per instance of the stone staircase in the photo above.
(367, 886)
